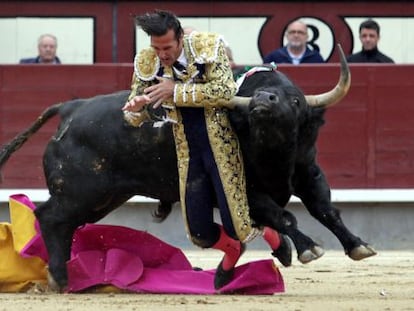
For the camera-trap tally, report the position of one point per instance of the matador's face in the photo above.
(167, 47)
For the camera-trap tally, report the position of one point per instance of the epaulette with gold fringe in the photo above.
(146, 64)
(204, 46)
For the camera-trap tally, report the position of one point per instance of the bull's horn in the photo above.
(232, 103)
(237, 101)
(338, 92)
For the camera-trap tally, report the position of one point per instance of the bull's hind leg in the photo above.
(57, 232)
(60, 216)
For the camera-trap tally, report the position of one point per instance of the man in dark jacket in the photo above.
(369, 34)
(296, 51)
(46, 45)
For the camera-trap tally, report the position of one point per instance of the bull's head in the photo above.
(320, 100)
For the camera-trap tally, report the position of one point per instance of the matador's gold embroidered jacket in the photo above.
(207, 82)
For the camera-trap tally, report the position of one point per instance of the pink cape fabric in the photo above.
(139, 262)
(36, 246)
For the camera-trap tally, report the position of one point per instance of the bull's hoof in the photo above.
(311, 254)
(53, 285)
(284, 251)
(362, 252)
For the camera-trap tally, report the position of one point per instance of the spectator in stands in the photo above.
(46, 46)
(369, 34)
(296, 51)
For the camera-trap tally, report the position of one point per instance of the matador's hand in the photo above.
(161, 91)
(137, 103)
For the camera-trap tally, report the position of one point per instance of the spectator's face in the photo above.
(297, 35)
(369, 38)
(47, 49)
(167, 47)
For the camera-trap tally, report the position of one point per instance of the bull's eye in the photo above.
(295, 101)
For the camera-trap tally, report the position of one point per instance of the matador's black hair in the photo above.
(158, 23)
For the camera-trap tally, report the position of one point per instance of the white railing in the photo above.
(338, 195)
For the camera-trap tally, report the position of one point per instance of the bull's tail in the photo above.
(21, 138)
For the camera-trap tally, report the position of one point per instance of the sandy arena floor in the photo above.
(334, 282)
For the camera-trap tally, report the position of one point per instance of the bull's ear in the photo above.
(338, 92)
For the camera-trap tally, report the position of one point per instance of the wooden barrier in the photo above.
(338, 196)
(366, 143)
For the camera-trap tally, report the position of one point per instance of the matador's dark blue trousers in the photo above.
(204, 188)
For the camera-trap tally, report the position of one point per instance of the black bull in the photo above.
(96, 162)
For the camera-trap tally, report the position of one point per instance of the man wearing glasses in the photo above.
(296, 51)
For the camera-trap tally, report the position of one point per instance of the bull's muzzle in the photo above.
(264, 100)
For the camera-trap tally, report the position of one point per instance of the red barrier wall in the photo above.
(367, 142)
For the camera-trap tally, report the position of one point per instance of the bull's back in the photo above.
(94, 145)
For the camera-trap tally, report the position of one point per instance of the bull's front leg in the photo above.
(315, 194)
(57, 236)
(266, 212)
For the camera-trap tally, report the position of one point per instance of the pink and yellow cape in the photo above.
(117, 258)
